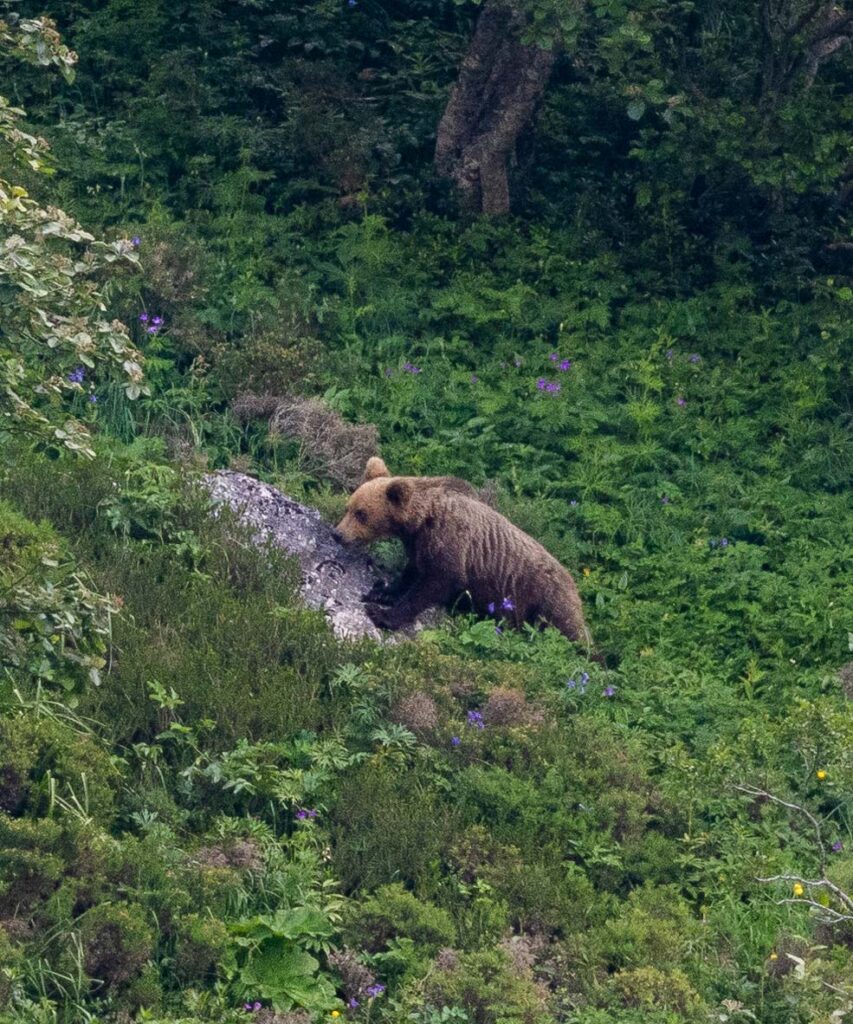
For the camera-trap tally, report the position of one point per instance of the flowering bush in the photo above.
(53, 624)
(53, 300)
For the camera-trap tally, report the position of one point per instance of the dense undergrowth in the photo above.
(213, 810)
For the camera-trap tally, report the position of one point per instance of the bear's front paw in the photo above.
(381, 592)
(379, 615)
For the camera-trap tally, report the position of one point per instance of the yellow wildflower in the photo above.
(798, 889)
(821, 774)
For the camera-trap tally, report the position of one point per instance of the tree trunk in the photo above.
(494, 98)
(799, 36)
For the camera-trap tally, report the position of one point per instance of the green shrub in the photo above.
(11, 960)
(393, 913)
(488, 988)
(203, 949)
(44, 761)
(387, 824)
(649, 988)
(118, 941)
(144, 991)
(656, 928)
(32, 861)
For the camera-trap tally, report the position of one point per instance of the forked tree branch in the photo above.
(844, 899)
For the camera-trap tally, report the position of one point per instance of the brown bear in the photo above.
(458, 546)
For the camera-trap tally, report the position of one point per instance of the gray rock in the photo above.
(334, 577)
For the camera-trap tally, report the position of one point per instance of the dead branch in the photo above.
(829, 914)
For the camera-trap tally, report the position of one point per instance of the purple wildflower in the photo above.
(306, 812)
(571, 684)
(609, 691)
(475, 720)
(507, 605)
(93, 398)
(77, 375)
(669, 353)
(353, 1003)
(573, 502)
(498, 631)
(694, 358)
(474, 378)
(352, 3)
(143, 318)
(136, 241)
(566, 364)
(584, 678)
(554, 357)
(490, 607)
(553, 387)
(681, 401)
(375, 990)
(837, 846)
(541, 384)
(410, 368)
(724, 542)
(664, 499)
(157, 320)
(455, 741)
(151, 330)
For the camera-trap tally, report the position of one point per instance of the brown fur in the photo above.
(459, 546)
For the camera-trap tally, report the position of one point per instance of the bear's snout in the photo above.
(339, 532)
(345, 532)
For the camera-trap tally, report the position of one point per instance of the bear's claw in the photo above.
(378, 615)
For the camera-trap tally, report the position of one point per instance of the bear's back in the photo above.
(459, 521)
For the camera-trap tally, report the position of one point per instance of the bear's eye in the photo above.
(361, 516)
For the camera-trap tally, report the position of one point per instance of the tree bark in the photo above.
(494, 98)
(798, 37)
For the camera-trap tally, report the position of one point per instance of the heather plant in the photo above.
(391, 912)
(489, 988)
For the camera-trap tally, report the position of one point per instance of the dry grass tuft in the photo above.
(510, 707)
(418, 712)
(326, 441)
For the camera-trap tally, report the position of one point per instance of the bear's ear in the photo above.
(375, 468)
(398, 492)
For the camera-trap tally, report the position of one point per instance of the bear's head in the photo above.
(376, 509)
